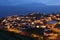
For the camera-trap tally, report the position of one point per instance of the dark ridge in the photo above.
(6, 35)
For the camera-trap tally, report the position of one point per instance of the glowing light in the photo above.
(51, 15)
(32, 23)
(29, 20)
(18, 18)
(3, 20)
(27, 17)
(43, 26)
(57, 15)
(58, 18)
(58, 22)
(37, 26)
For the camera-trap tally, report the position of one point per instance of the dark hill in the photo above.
(5, 35)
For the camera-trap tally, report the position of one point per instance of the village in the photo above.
(42, 27)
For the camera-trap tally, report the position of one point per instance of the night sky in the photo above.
(18, 2)
(12, 7)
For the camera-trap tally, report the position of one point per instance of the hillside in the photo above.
(6, 35)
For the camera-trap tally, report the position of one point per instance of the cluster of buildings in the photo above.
(18, 23)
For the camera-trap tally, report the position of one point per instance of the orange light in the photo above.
(4, 20)
(43, 26)
(18, 18)
(57, 15)
(32, 23)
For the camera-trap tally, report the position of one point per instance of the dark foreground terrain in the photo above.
(5, 35)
